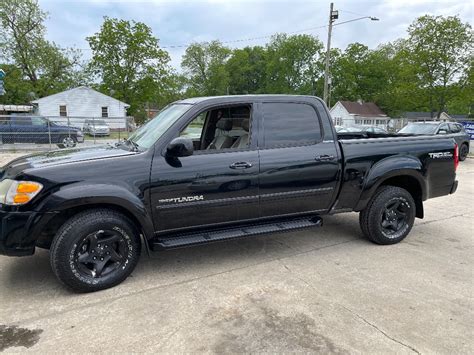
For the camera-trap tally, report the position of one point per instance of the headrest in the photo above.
(225, 124)
(245, 125)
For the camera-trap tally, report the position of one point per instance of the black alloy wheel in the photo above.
(101, 253)
(95, 249)
(395, 216)
(389, 216)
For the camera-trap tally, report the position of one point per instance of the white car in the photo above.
(96, 127)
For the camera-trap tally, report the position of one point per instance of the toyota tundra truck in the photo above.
(214, 169)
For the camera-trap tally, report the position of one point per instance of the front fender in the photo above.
(402, 166)
(82, 195)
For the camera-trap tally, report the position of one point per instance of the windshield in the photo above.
(147, 135)
(419, 129)
(98, 122)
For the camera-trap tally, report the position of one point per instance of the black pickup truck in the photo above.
(213, 169)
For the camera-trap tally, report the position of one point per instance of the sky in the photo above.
(178, 23)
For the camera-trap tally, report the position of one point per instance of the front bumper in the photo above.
(80, 139)
(20, 230)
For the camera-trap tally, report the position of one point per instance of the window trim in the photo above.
(102, 111)
(304, 144)
(65, 111)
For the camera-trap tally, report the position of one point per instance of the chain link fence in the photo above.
(42, 133)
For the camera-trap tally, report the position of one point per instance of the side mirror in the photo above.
(180, 147)
(443, 131)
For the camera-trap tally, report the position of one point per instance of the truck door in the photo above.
(298, 168)
(219, 182)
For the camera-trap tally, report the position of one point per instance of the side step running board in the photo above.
(178, 240)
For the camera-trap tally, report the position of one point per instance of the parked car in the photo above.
(95, 208)
(450, 129)
(361, 128)
(38, 130)
(96, 127)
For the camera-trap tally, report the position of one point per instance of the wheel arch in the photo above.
(70, 200)
(55, 221)
(403, 172)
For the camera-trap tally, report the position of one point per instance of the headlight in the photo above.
(14, 192)
(79, 133)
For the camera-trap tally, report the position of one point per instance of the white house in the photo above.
(80, 102)
(348, 113)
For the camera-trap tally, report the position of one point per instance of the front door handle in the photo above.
(240, 165)
(324, 157)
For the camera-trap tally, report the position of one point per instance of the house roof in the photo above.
(366, 109)
(421, 115)
(78, 89)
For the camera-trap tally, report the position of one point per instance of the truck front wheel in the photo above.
(389, 215)
(95, 250)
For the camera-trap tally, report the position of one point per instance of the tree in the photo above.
(47, 67)
(204, 66)
(18, 91)
(294, 64)
(440, 53)
(247, 70)
(128, 61)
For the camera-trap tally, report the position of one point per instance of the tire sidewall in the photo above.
(69, 240)
(464, 151)
(374, 227)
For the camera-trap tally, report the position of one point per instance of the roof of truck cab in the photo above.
(196, 100)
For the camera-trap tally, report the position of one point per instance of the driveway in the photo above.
(324, 290)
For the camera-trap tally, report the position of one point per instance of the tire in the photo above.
(67, 142)
(95, 250)
(463, 151)
(389, 215)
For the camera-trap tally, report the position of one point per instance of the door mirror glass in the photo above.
(180, 147)
(442, 131)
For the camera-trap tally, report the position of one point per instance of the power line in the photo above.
(249, 39)
(231, 41)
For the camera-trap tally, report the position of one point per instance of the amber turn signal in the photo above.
(27, 187)
(21, 199)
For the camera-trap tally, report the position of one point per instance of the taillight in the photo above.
(456, 156)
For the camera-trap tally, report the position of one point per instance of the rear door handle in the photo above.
(240, 165)
(324, 157)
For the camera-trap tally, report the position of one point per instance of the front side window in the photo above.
(455, 128)
(62, 110)
(443, 129)
(290, 124)
(220, 128)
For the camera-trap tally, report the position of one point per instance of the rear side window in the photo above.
(290, 124)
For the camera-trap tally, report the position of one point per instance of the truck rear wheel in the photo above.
(95, 250)
(389, 215)
(463, 152)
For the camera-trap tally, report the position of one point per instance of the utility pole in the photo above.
(333, 15)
